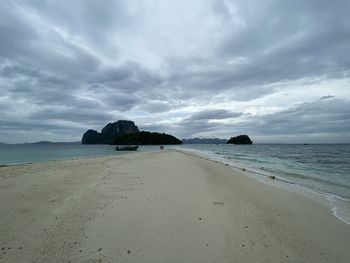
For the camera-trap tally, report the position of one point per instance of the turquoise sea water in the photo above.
(321, 168)
(324, 169)
(26, 153)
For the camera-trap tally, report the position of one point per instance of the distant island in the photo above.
(109, 132)
(124, 132)
(40, 143)
(240, 139)
(204, 141)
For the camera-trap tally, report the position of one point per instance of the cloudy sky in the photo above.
(278, 70)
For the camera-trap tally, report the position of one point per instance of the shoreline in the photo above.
(59, 160)
(339, 205)
(58, 153)
(159, 206)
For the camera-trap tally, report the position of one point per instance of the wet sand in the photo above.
(159, 207)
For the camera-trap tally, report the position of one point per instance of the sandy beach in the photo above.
(159, 207)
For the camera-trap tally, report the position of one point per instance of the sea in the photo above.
(323, 169)
(11, 154)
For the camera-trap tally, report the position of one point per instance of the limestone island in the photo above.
(240, 139)
(124, 132)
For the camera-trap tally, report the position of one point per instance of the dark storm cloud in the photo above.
(156, 128)
(279, 42)
(327, 97)
(322, 116)
(214, 115)
(128, 78)
(30, 125)
(208, 82)
(122, 102)
(155, 107)
(81, 63)
(188, 128)
(202, 122)
(325, 117)
(90, 18)
(291, 39)
(86, 116)
(16, 33)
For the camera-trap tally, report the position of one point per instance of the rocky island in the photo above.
(240, 139)
(109, 132)
(125, 132)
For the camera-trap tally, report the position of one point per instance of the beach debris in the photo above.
(227, 164)
(199, 218)
(246, 227)
(243, 245)
(129, 251)
(3, 165)
(272, 177)
(100, 249)
(218, 203)
(243, 169)
(20, 248)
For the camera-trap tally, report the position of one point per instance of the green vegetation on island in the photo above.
(109, 132)
(146, 138)
(125, 132)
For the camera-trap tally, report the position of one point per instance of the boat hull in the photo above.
(126, 148)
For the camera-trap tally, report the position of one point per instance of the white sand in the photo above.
(159, 207)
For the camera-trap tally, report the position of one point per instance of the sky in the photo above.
(277, 70)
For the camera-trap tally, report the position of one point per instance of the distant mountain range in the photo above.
(48, 142)
(204, 141)
(38, 143)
